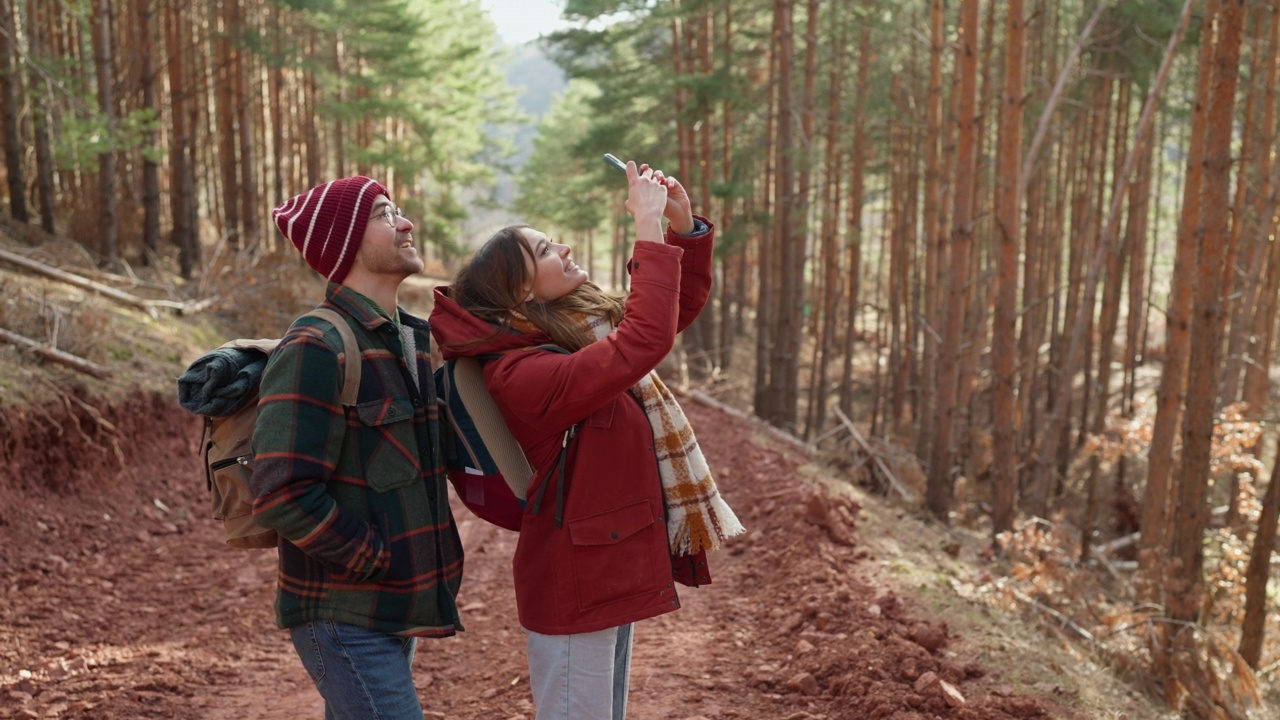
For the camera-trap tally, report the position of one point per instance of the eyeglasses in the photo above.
(390, 214)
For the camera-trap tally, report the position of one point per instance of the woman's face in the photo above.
(552, 268)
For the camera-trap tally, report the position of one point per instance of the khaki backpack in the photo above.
(228, 443)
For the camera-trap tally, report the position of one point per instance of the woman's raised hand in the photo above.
(646, 201)
(679, 209)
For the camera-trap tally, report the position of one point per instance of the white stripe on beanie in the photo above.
(350, 228)
(315, 214)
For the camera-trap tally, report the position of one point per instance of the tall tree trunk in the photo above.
(832, 289)
(934, 238)
(182, 83)
(900, 336)
(1206, 321)
(938, 489)
(40, 123)
(1136, 238)
(275, 83)
(1004, 336)
(1259, 344)
(735, 260)
(1237, 290)
(311, 129)
(699, 340)
(1258, 574)
(764, 400)
(9, 92)
(102, 60)
(244, 95)
(857, 164)
(976, 295)
(1158, 502)
(1109, 321)
(225, 89)
(144, 11)
(1034, 305)
(789, 296)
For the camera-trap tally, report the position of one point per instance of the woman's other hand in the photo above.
(679, 209)
(646, 201)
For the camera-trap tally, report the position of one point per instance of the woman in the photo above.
(610, 523)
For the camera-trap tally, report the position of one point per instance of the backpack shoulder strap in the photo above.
(468, 377)
(350, 349)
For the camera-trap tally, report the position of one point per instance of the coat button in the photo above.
(614, 534)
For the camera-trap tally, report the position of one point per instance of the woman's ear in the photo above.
(529, 297)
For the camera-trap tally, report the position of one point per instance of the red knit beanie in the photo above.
(328, 221)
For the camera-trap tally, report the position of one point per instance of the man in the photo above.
(370, 558)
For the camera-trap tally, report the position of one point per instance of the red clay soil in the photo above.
(117, 599)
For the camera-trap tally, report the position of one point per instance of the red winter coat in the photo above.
(609, 562)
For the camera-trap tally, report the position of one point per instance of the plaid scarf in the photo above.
(697, 517)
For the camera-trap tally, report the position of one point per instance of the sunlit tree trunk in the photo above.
(1158, 502)
(1206, 321)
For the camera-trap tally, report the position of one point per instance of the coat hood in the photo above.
(453, 326)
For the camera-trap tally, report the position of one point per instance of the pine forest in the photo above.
(1011, 263)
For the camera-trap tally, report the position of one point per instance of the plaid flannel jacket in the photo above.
(358, 495)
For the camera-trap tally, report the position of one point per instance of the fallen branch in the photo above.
(1120, 543)
(150, 306)
(58, 356)
(894, 482)
(1066, 621)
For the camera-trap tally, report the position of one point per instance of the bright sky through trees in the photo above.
(520, 21)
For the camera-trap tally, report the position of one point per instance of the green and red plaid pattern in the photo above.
(358, 495)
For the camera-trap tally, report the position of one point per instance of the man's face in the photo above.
(387, 247)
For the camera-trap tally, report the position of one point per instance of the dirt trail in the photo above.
(117, 601)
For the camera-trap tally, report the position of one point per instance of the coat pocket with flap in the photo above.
(613, 554)
(388, 443)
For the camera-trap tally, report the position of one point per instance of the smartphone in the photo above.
(614, 162)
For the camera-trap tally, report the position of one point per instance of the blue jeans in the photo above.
(581, 677)
(362, 674)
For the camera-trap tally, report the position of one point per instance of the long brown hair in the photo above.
(493, 287)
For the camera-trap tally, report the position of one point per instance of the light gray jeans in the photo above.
(581, 677)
